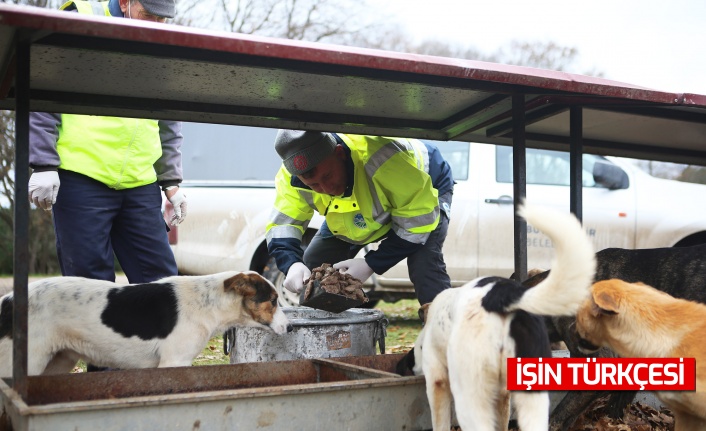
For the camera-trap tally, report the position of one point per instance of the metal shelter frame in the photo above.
(59, 62)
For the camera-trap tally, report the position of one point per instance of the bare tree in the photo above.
(533, 54)
(7, 160)
(49, 4)
(661, 169)
(435, 47)
(693, 174)
(541, 55)
(42, 251)
(311, 20)
(323, 21)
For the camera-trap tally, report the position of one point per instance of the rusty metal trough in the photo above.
(316, 394)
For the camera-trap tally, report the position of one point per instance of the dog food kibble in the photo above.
(333, 281)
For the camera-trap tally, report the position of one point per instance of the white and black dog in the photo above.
(470, 332)
(166, 323)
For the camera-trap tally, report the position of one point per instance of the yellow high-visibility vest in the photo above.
(392, 190)
(119, 152)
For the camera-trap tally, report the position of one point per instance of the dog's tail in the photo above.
(572, 270)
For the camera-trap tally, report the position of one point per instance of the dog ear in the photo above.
(534, 277)
(241, 284)
(604, 303)
(534, 271)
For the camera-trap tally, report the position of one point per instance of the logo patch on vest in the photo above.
(359, 221)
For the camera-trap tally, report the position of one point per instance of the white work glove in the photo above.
(178, 200)
(296, 275)
(357, 268)
(43, 188)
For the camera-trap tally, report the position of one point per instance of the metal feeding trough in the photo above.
(324, 394)
(315, 334)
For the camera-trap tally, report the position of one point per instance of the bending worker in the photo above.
(101, 178)
(369, 189)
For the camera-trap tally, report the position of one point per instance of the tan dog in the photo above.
(636, 320)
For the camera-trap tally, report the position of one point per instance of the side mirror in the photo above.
(610, 176)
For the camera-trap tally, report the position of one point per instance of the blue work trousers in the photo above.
(92, 222)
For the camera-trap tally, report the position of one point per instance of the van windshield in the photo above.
(220, 152)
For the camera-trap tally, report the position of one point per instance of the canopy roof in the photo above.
(113, 66)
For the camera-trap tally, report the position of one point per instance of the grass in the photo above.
(401, 334)
(212, 354)
(404, 324)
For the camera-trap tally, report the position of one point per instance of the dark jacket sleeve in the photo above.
(168, 167)
(439, 170)
(286, 252)
(390, 252)
(43, 134)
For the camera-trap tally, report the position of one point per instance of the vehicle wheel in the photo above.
(272, 273)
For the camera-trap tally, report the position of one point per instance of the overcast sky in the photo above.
(658, 44)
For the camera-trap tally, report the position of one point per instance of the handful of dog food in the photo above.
(334, 282)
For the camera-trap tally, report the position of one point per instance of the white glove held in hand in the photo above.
(296, 275)
(357, 268)
(178, 201)
(43, 187)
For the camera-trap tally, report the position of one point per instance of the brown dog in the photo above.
(678, 271)
(636, 320)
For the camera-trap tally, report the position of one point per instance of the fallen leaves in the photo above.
(637, 417)
(400, 348)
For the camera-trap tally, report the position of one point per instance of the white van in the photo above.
(230, 172)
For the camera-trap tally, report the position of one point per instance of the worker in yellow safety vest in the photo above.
(101, 177)
(370, 189)
(145, 10)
